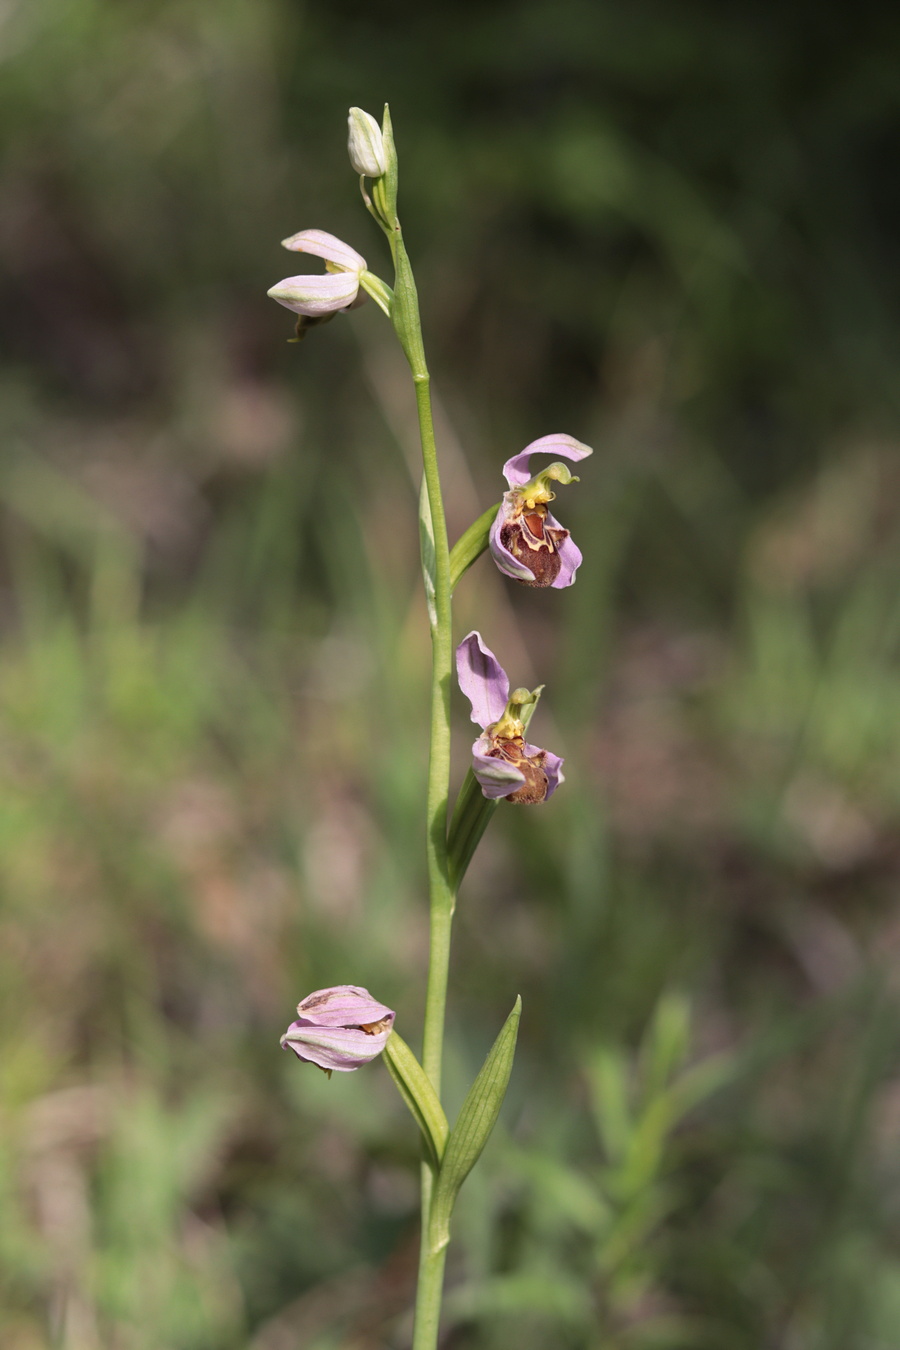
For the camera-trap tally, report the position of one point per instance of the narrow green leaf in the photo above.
(665, 1044)
(477, 1118)
(426, 543)
(415, 1088)
(608, 1083)
(470, 819)
(563, 1193)
(551, 1293)
(471, 545)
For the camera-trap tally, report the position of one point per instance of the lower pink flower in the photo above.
(340, 1028)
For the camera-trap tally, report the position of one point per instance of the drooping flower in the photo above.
(526, 541)
(316, 298)
(365, 144)
(340, 1028)
(502, 760)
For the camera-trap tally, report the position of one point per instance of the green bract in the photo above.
(477, 1118)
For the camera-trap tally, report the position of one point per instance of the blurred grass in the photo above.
(668, 230)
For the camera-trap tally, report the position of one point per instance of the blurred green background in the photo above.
(671, 231)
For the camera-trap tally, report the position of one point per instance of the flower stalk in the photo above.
(344, 1028)
(442, 898)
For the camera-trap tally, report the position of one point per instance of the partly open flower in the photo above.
(527, 542)
(340, 1028)
(317, 297)
(502, 760)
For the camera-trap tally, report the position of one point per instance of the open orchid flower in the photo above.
(527, 542)
(340, 1028)
(502, 761)
(317, 298)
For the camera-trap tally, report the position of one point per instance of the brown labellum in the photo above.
(535, 544)
(512, 749)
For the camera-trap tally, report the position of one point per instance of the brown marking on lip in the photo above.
(537, 784)
(541, 559)
(535, 524)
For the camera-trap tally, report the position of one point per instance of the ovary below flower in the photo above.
(339, 1028)
(502, 760)
(526, 541)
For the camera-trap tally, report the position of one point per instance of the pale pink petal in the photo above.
(341, 1048)
(343, 1005)
(321, 244)
(570, 557)
(317, 295)
(558, 445)
(482, 679)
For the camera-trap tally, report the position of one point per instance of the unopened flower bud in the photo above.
(365, 144)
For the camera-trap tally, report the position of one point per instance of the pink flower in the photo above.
(502, 760)
(526, 541)
(320, 296)
(340, 1028)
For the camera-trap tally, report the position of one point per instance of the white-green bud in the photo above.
(365, 144)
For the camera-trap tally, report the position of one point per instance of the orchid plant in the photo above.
(344, 1027)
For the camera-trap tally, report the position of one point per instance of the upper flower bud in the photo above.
(365, 144)
(339, 1028)
(526, 541)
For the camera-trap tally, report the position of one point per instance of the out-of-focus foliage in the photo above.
(668, 229)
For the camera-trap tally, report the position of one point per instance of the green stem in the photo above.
(430, 1285)
(407, 323)
(441, 894)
